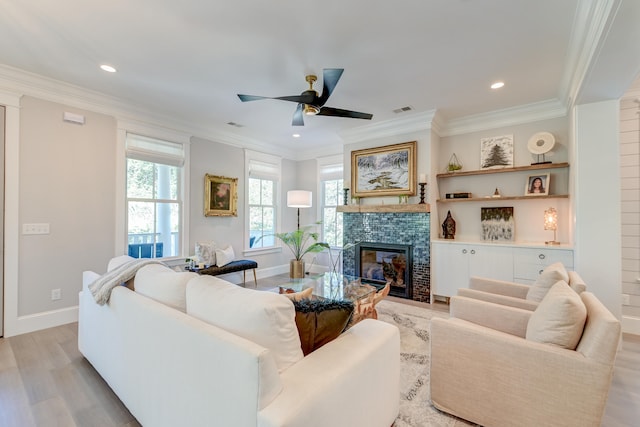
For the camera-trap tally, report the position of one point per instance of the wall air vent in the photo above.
(402, 109)
(234, 124)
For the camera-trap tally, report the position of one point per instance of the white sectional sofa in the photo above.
(170, 368)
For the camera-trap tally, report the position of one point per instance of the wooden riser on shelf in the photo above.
(504, 170)
(487, 199)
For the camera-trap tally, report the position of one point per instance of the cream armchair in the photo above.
(487, 368)
(518, 295)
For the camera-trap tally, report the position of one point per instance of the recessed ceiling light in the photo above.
(497, 85)
(296, 135)
(108, 68)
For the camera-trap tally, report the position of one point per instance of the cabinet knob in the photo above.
(540, 272)
(464, 251)
(473, 251)
(541, 256)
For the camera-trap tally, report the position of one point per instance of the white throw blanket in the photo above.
(101, 288)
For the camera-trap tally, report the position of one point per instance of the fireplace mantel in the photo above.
(407, 208)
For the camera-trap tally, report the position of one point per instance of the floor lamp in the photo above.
(299, 199)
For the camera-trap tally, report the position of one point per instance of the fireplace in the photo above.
(379, 263)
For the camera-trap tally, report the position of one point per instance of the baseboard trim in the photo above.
(631, 325)
(44, 320)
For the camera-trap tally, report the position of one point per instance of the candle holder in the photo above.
(346, 196)
(422, 185)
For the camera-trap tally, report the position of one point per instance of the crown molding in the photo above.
(411, 123)
(543, 110)
(592, 18)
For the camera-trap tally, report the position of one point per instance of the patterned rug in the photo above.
(415, 407)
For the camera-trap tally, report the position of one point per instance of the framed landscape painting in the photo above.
(497, 224)
(220, 196)
(384, 171)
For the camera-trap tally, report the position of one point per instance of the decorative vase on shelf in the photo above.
(449, 227)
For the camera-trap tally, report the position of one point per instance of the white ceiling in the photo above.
(188, 59)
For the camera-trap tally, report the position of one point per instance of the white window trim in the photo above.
(120, 213)
(322, 162)
(267, 158)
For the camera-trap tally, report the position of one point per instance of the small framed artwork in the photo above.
(384, 171)
(220, 196)
(497, 224)
(496, 152)
(537, 185)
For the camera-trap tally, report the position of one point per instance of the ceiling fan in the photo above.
(310, 104)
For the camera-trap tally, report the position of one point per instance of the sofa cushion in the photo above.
(164, 285)
(320, 321)
(265, 318)
(549, 277)
(559, 319)
(224, 256)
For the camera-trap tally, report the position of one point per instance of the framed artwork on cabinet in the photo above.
(384, 171)
(497, 224)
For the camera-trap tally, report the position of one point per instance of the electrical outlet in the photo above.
(56, 294)
(626, 299)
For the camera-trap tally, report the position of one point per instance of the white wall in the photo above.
(67, 180)
(597, 200)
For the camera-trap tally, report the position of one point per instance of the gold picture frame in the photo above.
(389, 170)
(220, 196)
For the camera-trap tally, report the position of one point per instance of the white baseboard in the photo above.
(44, 320)
(631, 325)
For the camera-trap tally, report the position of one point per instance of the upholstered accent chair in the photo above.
(518, 295)
(497, 365)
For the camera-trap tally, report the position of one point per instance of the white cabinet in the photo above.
(452, 263)
(529, 262)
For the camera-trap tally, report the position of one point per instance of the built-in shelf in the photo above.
(406, 208)
(504, 170)
(486, 199)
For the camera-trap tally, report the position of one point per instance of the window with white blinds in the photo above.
(262, 196)
(331, 185)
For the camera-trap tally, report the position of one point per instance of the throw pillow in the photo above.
(206, 253)
(296, 296)
(320, 321)
(549, 277)
(264, 318)
(559, 318)
(224, 256)
(164, 285)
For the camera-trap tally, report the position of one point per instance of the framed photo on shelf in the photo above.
(496, 152)
(220, 196)
(537, 185)
(384, 171)
(497, 224)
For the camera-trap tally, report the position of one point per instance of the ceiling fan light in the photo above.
(310, 110)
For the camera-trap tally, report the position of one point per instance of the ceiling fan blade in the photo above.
(304, 98)
(330, 78)
(298, 116)
(337, 112)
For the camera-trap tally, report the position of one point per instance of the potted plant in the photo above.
(301, 242)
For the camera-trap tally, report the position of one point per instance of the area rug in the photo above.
(415, 406)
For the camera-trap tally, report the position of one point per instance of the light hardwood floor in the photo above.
(45, 381)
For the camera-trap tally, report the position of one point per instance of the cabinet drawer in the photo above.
(544, 257)
(527, 271)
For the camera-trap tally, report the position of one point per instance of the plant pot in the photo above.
(296, 269)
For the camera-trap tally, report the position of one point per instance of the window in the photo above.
(262, 197)
(262, 209)
(154, 198)
(332, 195)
